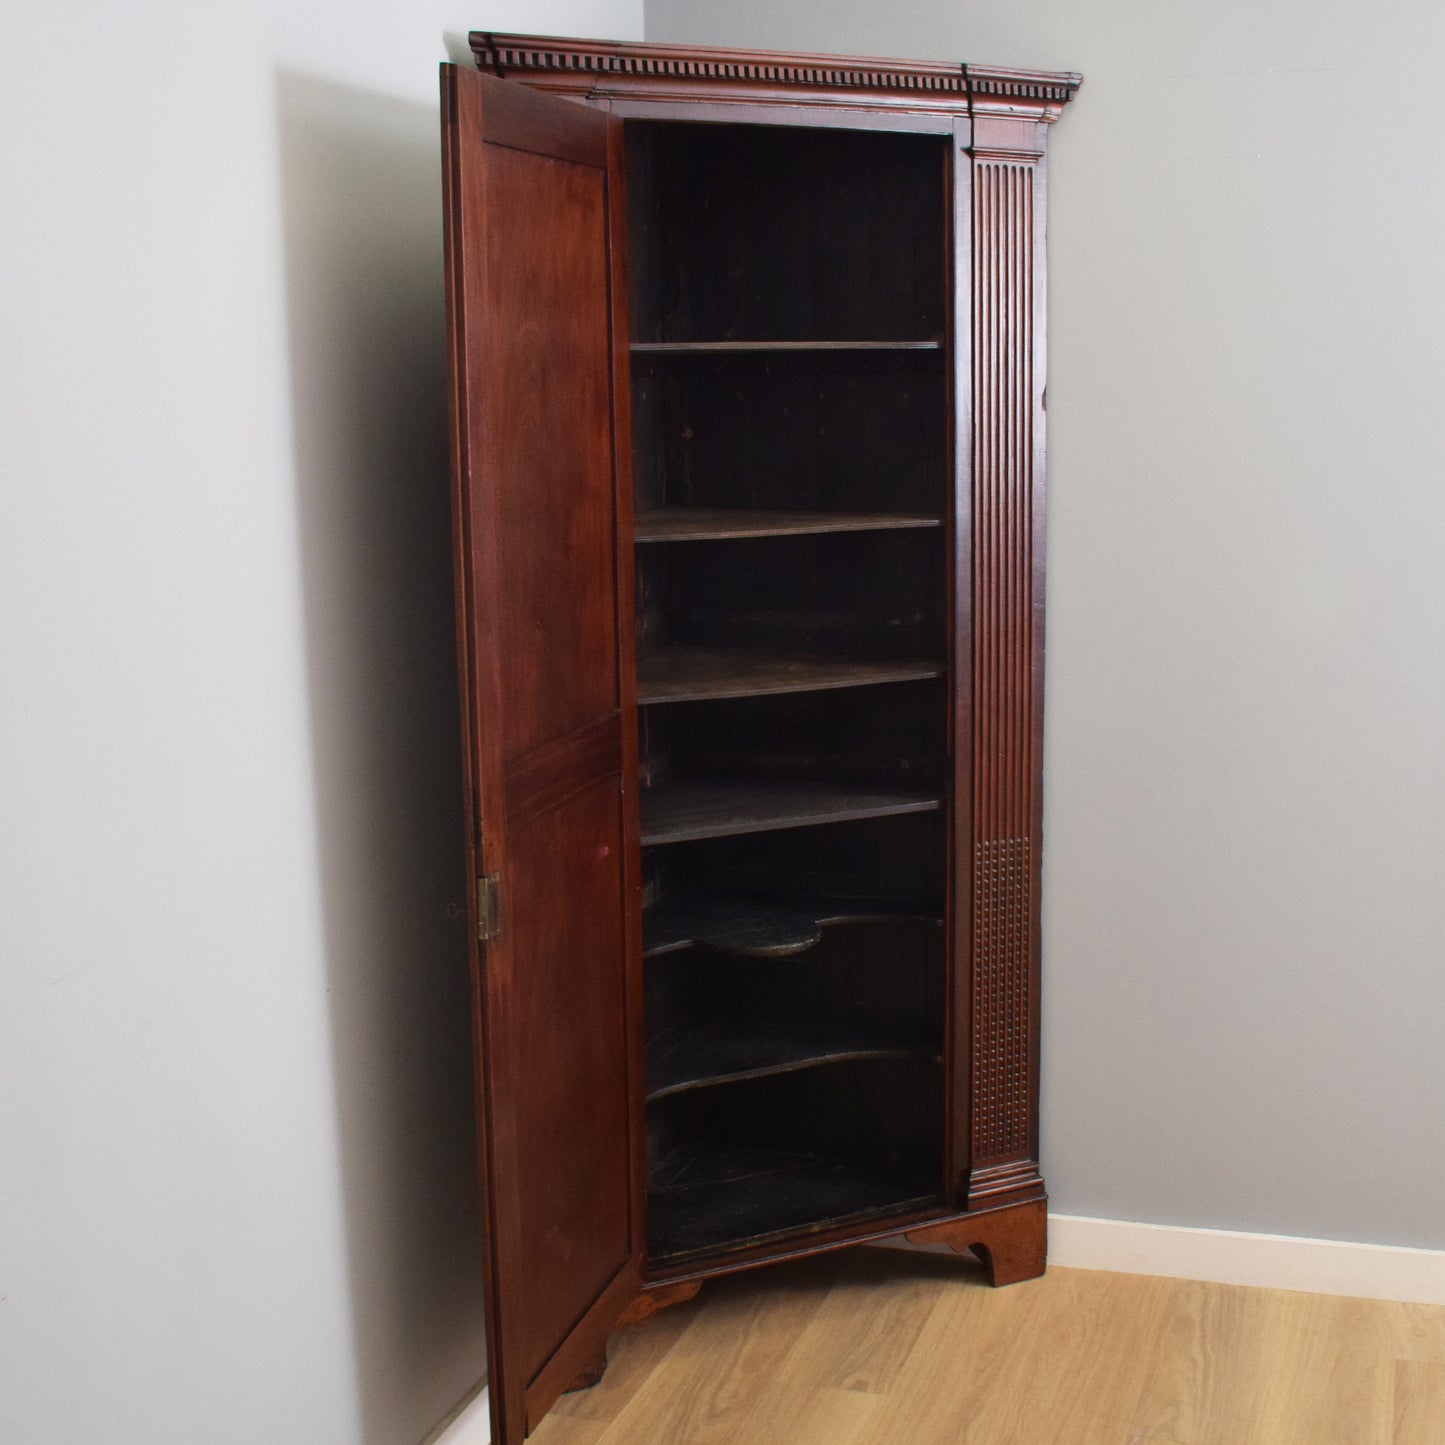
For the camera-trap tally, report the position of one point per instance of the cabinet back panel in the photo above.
(835, 431)
(902, 859)
(885, 977)
(781, 1157)
(752, 233)
(888, 1110)
(893, 734)
(860, 594)
(789, 1094)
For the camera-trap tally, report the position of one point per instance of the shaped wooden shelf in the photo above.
(703, 1197)
(761, 928)
(678, 812)
(710, 524)
(695, 1055)
(693, 674)
(717, 348)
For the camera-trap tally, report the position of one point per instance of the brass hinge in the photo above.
(489, 907)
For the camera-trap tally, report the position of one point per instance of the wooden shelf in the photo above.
(711, 524)
(693, 674)
(705, 1198)
(694, 1055)
(682, 811)
(761, 928)
(708, 348)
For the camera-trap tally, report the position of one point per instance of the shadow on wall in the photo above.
(361, 207)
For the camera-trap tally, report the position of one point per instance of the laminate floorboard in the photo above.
(1419, 1403)
(882, 1347)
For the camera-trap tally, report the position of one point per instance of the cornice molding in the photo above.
(613, 68)
(1003, 83)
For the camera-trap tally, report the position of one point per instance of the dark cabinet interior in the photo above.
(747, 363)
(790, 421)
(742, 234)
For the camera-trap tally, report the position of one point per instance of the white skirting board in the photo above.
(469, 1424)
(1275, 1261)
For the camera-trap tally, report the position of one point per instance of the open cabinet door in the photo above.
(544, 579)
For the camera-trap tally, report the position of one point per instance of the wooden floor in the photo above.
(877, 1347)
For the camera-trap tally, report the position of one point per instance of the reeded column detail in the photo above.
(1003, 662)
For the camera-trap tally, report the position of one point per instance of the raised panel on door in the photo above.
(544, 607)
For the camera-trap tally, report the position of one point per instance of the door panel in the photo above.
(554, 427)
(572, 1179)
(543, 633)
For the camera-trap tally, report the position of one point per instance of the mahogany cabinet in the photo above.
(747, 358)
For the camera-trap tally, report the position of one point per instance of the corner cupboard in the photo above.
(747, 360)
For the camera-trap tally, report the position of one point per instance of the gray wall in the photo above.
(234, 1112)
(1244, 908)
(236, 1202)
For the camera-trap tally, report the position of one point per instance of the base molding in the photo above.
(469, 1424)
(1273, 1261)
(1011, 1242)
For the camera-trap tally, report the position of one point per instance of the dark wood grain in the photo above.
(890, 736)
(1001, 872)
(1012, 1241)
(880, 1115)
(791, 240)
(591, 1375)
(526, 121)
(704, 524)
(622, 450)
(526, 237)
(547, 776)
(547, 290)
(828, 431)
(868, 596)
(549, 491)
(898, 858)
(889, 1224)
(659, 1297)
(759, 928)
(958, 1059)
(694, 1055)
(708, 1198)
(688, 674)
(838, 311)
(716, 347)
(868, 990)
(682, 811)
(720, 79)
